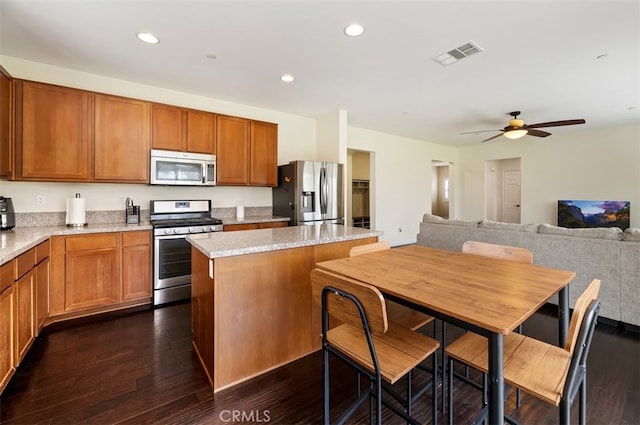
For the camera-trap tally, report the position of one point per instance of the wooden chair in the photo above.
(397, 313)
(381, 350)
(550, 373)
(501, 252)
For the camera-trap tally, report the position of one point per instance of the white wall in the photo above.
(401, 177)
(586, 163)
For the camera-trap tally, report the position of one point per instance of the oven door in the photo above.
(171, 261)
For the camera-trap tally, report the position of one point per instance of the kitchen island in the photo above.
(252, 309)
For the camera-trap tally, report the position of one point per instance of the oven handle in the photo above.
(179, 236)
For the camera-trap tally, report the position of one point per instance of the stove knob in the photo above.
(193, 230)
(169, 231)
(206, 229)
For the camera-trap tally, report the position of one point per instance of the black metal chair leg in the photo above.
(565, 411)
(450, 392)
(409, 394)
(434, 389)
(582, 418)
(444, 363)
(325, 386)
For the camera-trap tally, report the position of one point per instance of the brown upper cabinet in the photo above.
(181, 129)
(247, 152)
(52, 132)
(232, 150)
(121, 139)
(6, 123)
(263, 151)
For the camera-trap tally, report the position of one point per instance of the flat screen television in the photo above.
(574, 213)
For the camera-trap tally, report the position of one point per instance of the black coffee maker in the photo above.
(7, 214)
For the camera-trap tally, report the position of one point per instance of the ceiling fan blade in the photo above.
(492, 137)
(537, 133)
(479, 131)
(557, 123)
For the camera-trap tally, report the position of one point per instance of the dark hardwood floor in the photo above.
(141, 369)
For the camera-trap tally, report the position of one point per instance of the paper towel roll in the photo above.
(76, 212)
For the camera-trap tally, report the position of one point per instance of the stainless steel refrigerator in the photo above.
(309, 192)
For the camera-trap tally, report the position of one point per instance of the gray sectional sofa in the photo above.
(608, 254)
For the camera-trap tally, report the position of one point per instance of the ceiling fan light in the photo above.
(515, 134)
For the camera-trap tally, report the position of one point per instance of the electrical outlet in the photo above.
(40, 199)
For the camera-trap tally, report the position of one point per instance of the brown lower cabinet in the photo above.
(42, 271)
(22, 300)
(253, 226)
(7, 364)
(66, 277)
(95, 273)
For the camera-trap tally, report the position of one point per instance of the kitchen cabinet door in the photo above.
(136, 265)
(92, 271)
(7, 307)
(52, 133)
(201, 132)
(263, 154)
(252, 226)
(168, 127)
(121, 139)
(232, 150)
(42, 293)
(24, 315)
(6, 123)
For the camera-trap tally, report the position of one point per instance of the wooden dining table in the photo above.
(488, 296)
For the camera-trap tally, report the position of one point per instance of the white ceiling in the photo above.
(540, 57)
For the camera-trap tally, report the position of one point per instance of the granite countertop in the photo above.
(253, 219)
(21, 239)
(227, 244)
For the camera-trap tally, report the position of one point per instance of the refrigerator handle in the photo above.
(323, 191)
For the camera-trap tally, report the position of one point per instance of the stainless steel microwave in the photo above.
(182, 168)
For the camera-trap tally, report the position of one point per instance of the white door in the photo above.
(511, 196)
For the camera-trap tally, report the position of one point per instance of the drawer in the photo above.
(25, 262)
(272, 224)
(43, 251)
(136, 238)
(6, 275)
(89, 242)
(234, 227)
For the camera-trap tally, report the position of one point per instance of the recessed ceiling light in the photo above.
(287, 78)
(354, 30)
(147, 37)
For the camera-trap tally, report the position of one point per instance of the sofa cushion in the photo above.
(610, 233)
(430, 218)
(488, 224)
(631, 235)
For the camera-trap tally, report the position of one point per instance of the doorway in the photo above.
(359, 189)
(441, 188)
(503, 191)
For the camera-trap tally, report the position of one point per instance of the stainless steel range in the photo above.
(172, 221)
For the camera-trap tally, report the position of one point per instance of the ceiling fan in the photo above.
(517, 128)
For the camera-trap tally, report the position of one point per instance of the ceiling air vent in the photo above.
(458, 53)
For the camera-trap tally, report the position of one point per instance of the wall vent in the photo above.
(461, 52)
